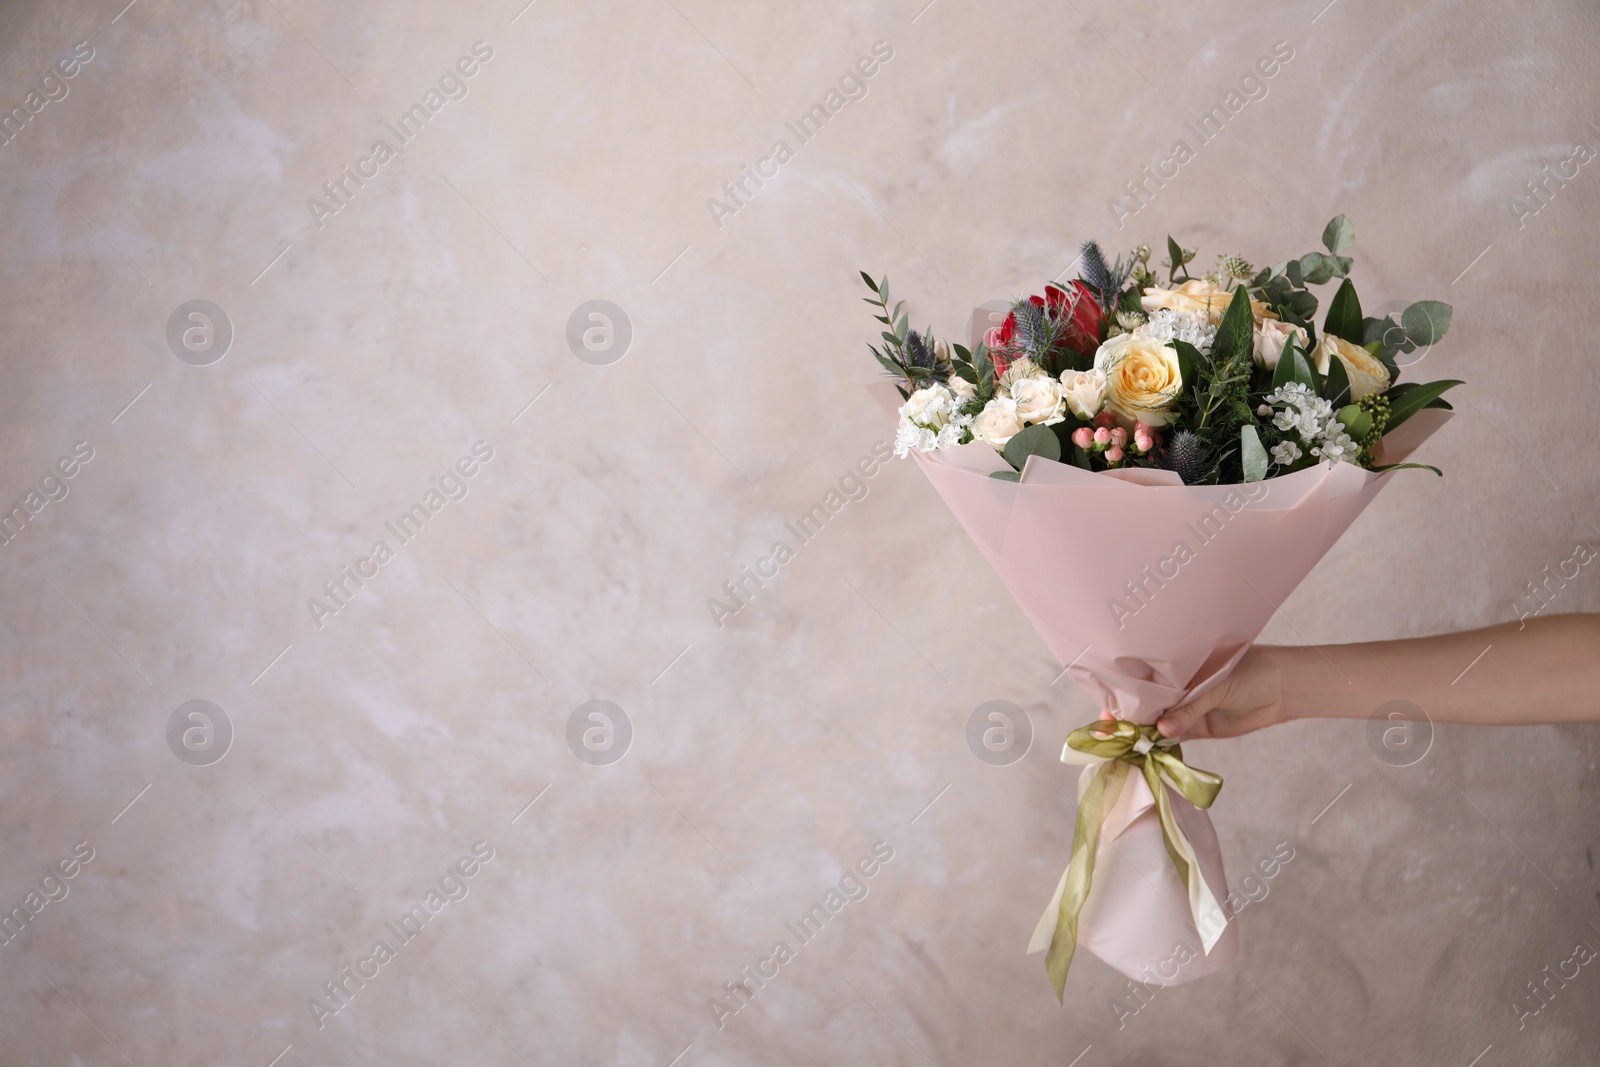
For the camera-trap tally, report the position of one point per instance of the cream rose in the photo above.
(1367, 375)
(997, 423)
(1084, 391)
(1142, 378)
(1039, 401)
(1199, 295)
(961, 388)
(1271, 338)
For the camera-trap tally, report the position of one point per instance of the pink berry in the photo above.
(1106, 419)
(1113, 455)
(1102, 436)
(1142, 442)
(1119, 436)
(1139, 427)
(1083, 437)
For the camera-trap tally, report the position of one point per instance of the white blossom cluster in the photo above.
(1166, 325)
(1312, 419)
(932, 419)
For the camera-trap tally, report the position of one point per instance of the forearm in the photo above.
(1546, 670)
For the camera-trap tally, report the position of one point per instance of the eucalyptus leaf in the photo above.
(1175, 255)
(1339, 235)
(1251, 454)
(1032, 441)
(870, 284)
(1315, 268)
(1291, 270)
(1425, 322)
(1304, 304)
(1007, 476)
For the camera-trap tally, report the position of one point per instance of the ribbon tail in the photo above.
(1209, 918)
(1094, 801)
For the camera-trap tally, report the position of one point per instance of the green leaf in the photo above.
(1356, 421)
(1007, 476)
(1080, 458)
(1337, 390)
(1293, 367)
(1344, 314)
(984, 366)
(870, 284)
(1189, 358)
(1340, 265)
(1406, 400)
(1315, 268)
(1032, 441)
(1251, 454)
(1175, 255)
(1405, 466)
(1303, 304)
(1236, 331)
(1291, 270)
(1425, 322)
(1339, 235)
(900, 327)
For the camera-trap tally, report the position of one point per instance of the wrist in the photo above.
(1285, 667)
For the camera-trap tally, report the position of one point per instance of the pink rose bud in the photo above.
(1083, 437)
(1113, 455)
(1142, 442)
(1119, 436)
(1106, 419)
(1102, 436)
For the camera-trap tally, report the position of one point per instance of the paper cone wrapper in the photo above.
(1148, 592)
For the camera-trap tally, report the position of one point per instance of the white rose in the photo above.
(1039, 401)
(1020, 370)
(961, 388)
(1366, 372)
(1271, 337)
(930, 407)
(997, 423)
(1084, 391)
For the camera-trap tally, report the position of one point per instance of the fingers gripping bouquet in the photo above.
(1229, 443)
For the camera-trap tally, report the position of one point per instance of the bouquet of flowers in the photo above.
(1229, 443)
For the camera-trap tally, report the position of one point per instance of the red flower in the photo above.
(1077, 310)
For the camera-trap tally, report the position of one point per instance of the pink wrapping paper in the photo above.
(1070, 544)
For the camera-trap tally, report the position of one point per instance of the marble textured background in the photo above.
(371, 751)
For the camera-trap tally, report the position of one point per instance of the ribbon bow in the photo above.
(1110, 748)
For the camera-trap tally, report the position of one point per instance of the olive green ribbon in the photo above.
(1110, 748)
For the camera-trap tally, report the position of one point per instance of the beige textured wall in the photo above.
(770, 754)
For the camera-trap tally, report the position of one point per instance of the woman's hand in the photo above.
(1249, 698)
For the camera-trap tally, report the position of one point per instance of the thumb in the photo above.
(1182, 719)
